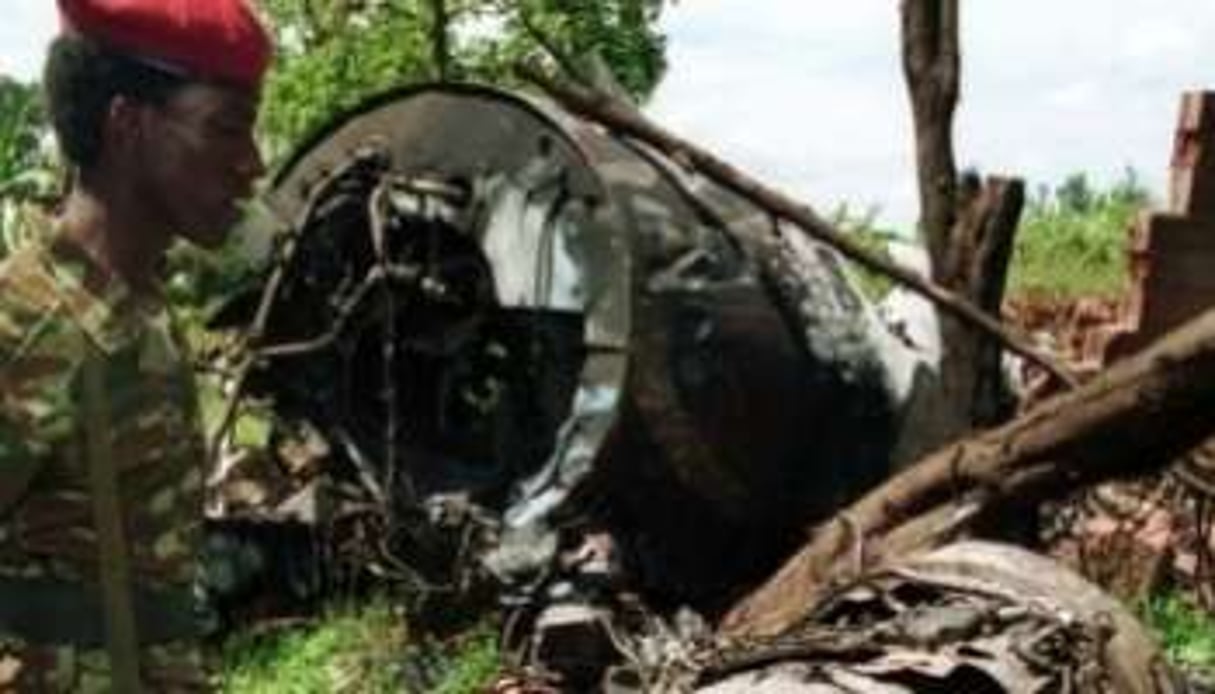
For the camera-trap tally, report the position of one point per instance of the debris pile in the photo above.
(516, 359)
(1135, 537)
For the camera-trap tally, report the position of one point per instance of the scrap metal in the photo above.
(544, 362)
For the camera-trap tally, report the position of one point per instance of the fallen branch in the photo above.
(1136, 418)
(625, 119)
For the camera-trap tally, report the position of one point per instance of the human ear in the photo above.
(124, 124)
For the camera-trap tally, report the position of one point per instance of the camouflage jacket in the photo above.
(52, 311)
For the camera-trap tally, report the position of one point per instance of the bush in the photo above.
(358, 649)
(1186, 632)
(1072, 240)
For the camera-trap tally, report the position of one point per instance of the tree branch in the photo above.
(625, 119)
(931, 66)
(439, 39)
(559, 56)
(1136, 418)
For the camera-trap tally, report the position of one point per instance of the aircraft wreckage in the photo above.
(546, 359)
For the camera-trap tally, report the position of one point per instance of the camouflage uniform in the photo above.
(51, 309)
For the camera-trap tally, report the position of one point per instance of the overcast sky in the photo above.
(808, 94)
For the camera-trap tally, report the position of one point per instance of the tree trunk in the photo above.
(931, 65)
(440, 39)
(968, 231)
(1136, 418)
(976, 266)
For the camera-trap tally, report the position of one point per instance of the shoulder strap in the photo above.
(121, 640)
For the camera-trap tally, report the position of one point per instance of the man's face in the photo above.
(200, 160)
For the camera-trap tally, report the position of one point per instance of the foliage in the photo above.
(1186, 632)
(355, 649)
(335, 53)
(22, 128)
(352, 650)
(863, 228)
(1072, 240)
(620, 32)
(475, 662)
(202, 280)
(27, 170)
(330, 59)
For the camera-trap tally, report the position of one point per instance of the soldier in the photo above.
(153, 103)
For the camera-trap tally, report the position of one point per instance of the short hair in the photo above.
(81, 79)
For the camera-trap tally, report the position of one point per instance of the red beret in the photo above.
(218, 40)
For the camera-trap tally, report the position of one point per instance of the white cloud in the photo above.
(810, 95)
(1162, 41)
(804, 94)
(1076, 96)
(27, 27)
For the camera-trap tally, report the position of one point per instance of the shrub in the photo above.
(1072, 240)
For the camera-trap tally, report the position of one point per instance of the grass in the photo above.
(365, 649)
(1186, 632)
(474, 663)
(368, 649)
(1066, 252)
(1070, 244)
(862, 227)
(354, 649)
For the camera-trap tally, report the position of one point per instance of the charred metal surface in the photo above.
(489, 303)
(512, 354)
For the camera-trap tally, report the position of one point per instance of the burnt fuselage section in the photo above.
(481, 297)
